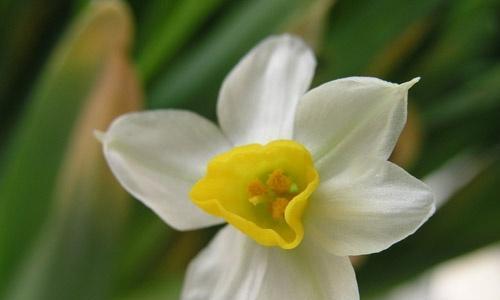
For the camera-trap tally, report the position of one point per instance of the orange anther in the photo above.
(256, 188)
(278, 207)
(279, 182)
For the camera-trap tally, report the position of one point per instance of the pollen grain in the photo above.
(279, 182)
(256, 188)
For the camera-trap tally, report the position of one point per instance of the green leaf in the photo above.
(361, 31)
(24, 26)
(163, 288)
(476, 97)
(177, 25)
(40, 145)
(146, 240)
(464, 37)
(194, 79)
(465, 118)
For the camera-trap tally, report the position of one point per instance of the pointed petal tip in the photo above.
(99, 135)
(407, 85)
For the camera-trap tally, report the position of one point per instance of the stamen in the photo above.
(278, 207)
(257, 191)
(279, 182)
(256, 188)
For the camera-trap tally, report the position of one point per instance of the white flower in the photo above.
(290, 231)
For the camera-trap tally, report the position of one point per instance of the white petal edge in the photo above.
(158, 155)
(234, 267)
(231, 267)
(367, 208)
(349, 118)
(258, 98)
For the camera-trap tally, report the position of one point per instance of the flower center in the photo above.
(278, 191)
(262, 190)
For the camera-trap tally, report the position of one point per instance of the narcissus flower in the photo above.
(301, 178)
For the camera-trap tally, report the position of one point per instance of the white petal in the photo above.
(158, 155)
(351, 117)
(258, 98)
(361, 212)
(308, 272)
(233, 267)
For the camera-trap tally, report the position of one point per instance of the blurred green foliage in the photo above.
(54, 53)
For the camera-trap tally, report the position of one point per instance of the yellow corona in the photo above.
(263, 190)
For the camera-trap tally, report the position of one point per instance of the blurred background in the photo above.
(68, 231)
